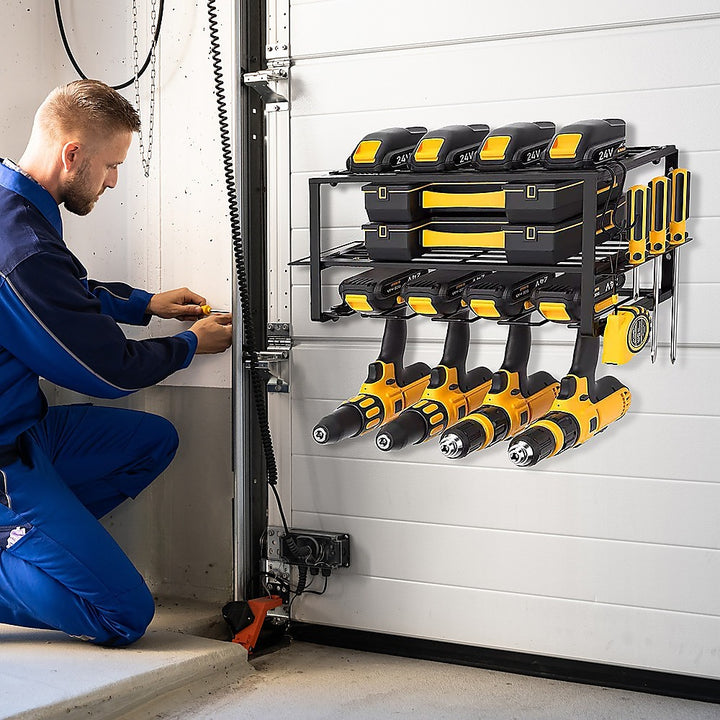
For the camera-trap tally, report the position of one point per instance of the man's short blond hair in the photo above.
(87, 106)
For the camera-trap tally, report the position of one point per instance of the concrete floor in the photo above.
(172, 674)
(46, 675)
(312, 682)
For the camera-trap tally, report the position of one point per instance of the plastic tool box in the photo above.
(551, 202)
(466, 233)
(551, 244)
(394, 203)
(405, 241)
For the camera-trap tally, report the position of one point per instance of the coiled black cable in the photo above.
(68, 51)
(249, 341)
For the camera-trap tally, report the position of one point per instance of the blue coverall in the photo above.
(62, 468)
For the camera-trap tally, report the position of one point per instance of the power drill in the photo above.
(451, 394)
(387, 391)
(513, 402)
(583, 408)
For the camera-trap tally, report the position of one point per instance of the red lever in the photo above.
(247, 637)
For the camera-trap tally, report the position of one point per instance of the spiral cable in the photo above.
(249, 341)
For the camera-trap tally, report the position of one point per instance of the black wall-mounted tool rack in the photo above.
(585, 263)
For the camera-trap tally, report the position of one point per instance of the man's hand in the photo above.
(214, 334)
(182, 304)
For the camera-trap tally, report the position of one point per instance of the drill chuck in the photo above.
(452, 446)
(345, 422)
(486, 426)
(408, 428)
(531, 446)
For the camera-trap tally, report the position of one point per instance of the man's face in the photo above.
(96, 169)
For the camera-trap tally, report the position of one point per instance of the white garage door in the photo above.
(608, 553)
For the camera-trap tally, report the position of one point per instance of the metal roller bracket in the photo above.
(276, 72)
(279, 343)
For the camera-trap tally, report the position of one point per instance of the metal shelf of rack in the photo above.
(585, 263)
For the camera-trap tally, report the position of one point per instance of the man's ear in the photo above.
(70, 154)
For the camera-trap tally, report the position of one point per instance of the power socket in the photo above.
(316, 549)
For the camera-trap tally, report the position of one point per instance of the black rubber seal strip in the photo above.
(577, 671)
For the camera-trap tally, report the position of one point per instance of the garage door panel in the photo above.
(580, 505)
(633, 637)
(381, 24)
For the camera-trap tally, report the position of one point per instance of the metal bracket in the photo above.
(275, 565)
(276, 72)
(279, 343)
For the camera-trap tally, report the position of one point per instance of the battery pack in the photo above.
(377, 290)
(448, 148)
(559, 299)
(514, 146)
(586, 143)
(439, 292)
(552, 202)
(502, 295)
(385, 150)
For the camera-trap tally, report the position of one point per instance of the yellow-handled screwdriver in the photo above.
(659, 225)
(638, 206)
(679, 213)
(207, 310)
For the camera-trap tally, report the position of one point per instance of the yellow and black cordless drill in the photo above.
(451, 394)
(583, 408)
(387, 391)
(513, 401)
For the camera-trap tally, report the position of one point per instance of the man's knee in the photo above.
(129, 617)
(163, 436)
(159, 440)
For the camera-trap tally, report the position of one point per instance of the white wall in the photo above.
(171, 229)
(607, 553)
(157, 233)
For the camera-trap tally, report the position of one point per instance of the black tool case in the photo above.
(466, 198)
(412, 202)
(551, 202)
(397, 242)
(551, 244)
(465, 233)
(404, 241)
(394, 203)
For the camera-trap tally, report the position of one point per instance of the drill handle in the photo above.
(392, 347)
(455, 351)
(457, 343)
(585, 358)
(517, 354)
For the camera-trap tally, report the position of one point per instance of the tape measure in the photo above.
(626, 334)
